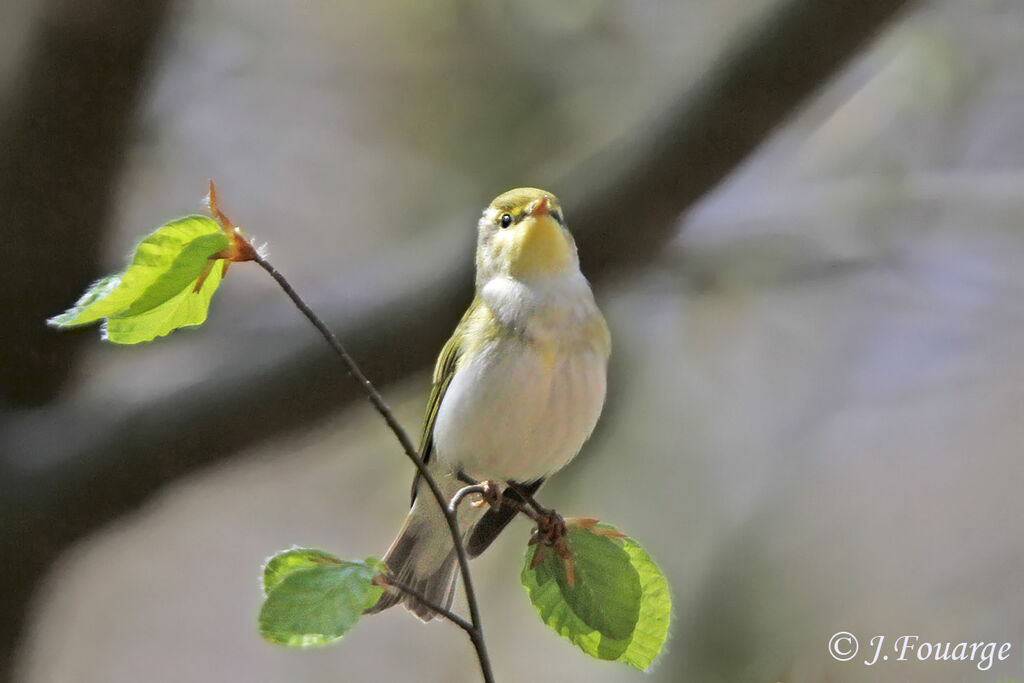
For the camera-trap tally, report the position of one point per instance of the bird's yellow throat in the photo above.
(541, 248)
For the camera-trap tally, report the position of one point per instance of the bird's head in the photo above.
(523, 236)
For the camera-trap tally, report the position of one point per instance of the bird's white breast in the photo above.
(522, 406)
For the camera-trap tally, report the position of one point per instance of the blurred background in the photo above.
(802, 220)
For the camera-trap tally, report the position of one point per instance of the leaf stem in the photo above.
(476, 634)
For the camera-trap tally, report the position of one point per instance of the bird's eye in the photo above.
(506, 220)
(557, 215)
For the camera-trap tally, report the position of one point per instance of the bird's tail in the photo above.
(422, 557)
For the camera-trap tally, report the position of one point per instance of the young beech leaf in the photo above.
(617, 606)
(184, 309)
(285, 562)
(154, 295)
(314, 598)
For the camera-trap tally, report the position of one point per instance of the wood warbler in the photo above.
(517, 389)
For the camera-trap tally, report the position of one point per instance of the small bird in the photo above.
(516, 391)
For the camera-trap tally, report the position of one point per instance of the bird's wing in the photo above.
(444, 370)
(493, 521)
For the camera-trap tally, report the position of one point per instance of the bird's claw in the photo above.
(489, 495)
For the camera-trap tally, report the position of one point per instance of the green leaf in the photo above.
(618, 606)
(314, 598)
(154, 295)
(181, 273)
(184, 309)
(605, 592)
(284, 563)
(651, 630)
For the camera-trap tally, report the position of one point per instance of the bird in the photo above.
(516, 390)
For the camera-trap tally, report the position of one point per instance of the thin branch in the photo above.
(535, 511)
(528, 510)
(476, 630)
(444, 612)
(532, 509)
(466, 491)
(371, 391)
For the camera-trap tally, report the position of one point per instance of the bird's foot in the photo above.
(551, 528)
(551, 533)
(490, 494)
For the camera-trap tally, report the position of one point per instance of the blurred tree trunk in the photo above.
(63, 140)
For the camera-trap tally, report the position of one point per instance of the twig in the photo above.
(529, 506)
(482, 489)
(390, 580)
(550, 524)
(475, 631)
(371, 391)
(541, 511)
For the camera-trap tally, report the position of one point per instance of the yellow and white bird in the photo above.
(517, 389)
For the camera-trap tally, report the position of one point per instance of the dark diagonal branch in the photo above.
(649, 179)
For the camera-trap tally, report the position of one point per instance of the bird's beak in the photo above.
(540, 208)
